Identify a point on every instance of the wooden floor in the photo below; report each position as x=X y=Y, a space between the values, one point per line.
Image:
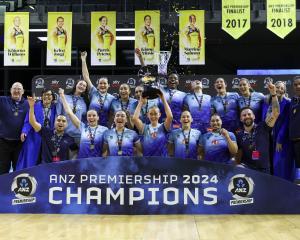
x=204 y=227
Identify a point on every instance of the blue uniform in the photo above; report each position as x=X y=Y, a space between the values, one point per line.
x=121 y=144
x=101 y=103
x=255 y=102
x=185 y=143
x=12 y=115
x=118 y=104
x=91 y=141
x=154 y=140
x=54 y=148
x=255 y=147
x=199 y=107
x=216 y=147
x=175 y=99
x=227 y=108
x=78 y=107
x=30 y=152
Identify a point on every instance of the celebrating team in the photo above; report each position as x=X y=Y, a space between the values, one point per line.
x=247 y=129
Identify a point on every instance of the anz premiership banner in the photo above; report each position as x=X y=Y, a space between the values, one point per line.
x=127 y=185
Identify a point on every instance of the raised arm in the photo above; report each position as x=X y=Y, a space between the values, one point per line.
x=138 y=53
x=169 y=115
x=273 y=115
x=85 y=71
x=32 y=120
x=68 y=110
x=232 y=145
x=136 y=116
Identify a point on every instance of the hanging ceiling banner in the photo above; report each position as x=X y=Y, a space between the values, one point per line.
x=103 y=38
x=16 y=44
x=147 y=36
x=281 y=16
x=236 y=17
x=191 y=37
x=59 y=42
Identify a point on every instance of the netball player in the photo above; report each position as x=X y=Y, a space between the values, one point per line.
x=225 y=105
x=100 y=99
x=218 y=145
x=91 y=139
x=121 y=141
x=154 y=139
x=198 y=104
x=184 y=141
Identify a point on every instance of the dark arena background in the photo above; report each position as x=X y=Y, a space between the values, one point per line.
x=150 y=197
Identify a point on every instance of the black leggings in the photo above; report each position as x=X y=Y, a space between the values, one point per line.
x=296 y=147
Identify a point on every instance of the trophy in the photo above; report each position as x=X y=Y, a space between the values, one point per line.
x=150 y=77
x=147 y=75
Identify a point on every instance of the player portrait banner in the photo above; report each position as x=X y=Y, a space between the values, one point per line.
x=191 y=37
x=281 y=16
x=145 y=185
x=16 y=38
x=59 y=43
x=147 y=36
x=103 y=38
x=236 y=17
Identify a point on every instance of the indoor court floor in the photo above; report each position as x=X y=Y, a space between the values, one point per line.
x=113 y=227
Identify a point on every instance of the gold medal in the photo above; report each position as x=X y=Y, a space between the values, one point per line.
x=16 y=113
x=295 y=110
x=120 y=153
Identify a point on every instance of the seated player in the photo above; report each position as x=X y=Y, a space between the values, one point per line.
x=55 y=142
x=218 y=145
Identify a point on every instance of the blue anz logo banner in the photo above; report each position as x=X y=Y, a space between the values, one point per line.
x=146 y=185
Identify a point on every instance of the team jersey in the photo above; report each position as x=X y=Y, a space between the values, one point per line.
x=185 y=142
x=61 y=38
x=194 y=36
x=154 y=140
x=78 y=107
x=227 y=108
x=175 y=99
x=216 y=147
x=121 y=144
x=19 y=36
x=118 y=104
x=150 y=38
x=255 y=101
x=199 y=107
x=255 y=146
x=55 y=148
x=101 y=103
x=91 y=141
